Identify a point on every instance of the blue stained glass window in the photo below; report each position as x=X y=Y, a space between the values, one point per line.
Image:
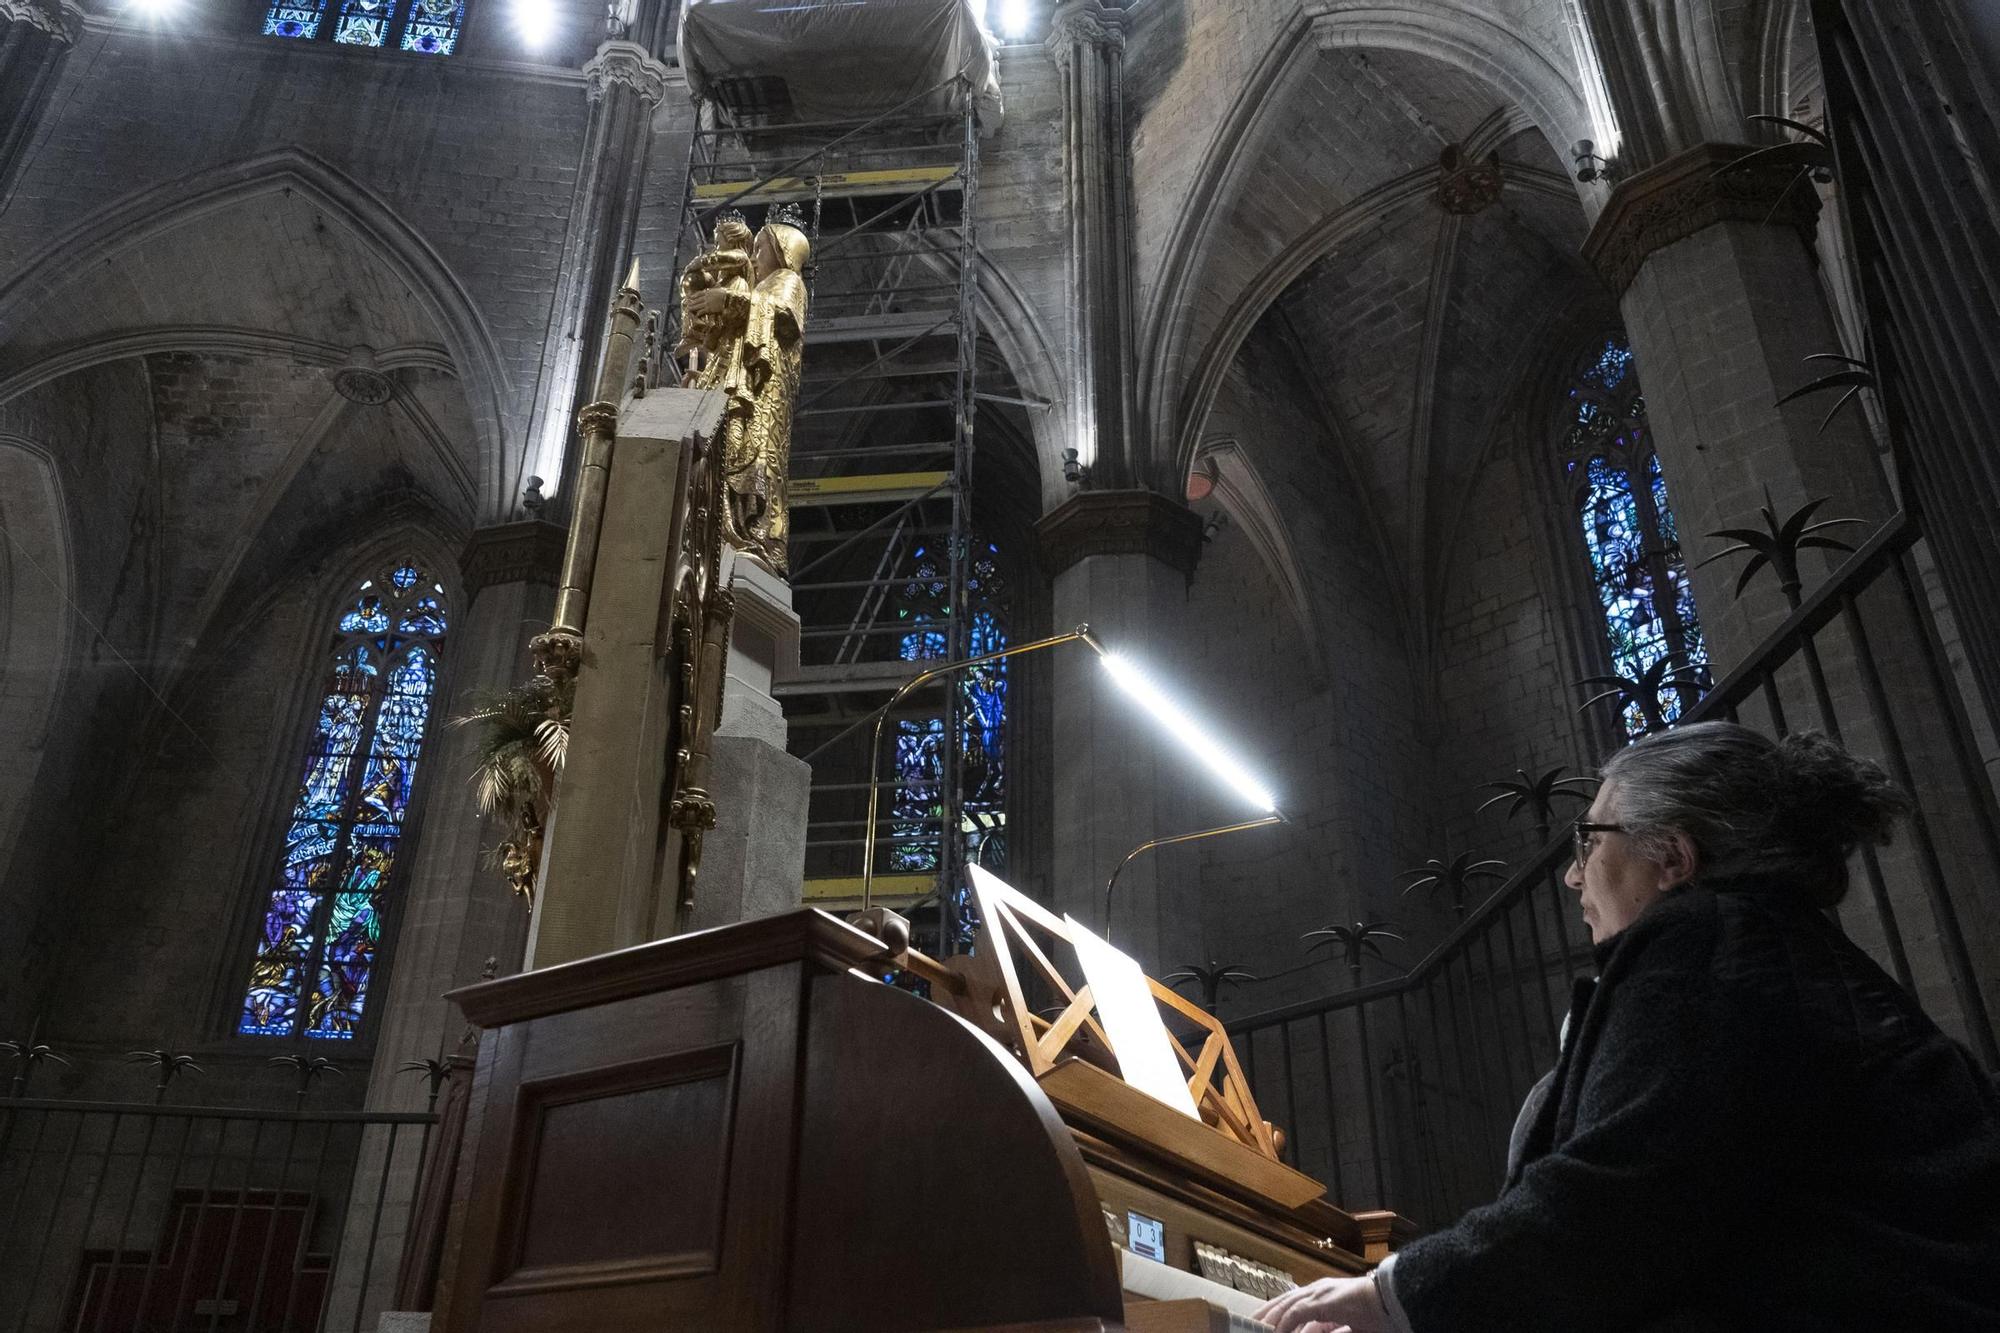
x=362 y=22
x=917 y=806
x=1637 y=567
x=420 y=27
x=294 y=18
x=317 y=948
x=433 y=26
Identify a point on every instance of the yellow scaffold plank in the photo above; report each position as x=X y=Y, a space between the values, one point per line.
x=819 y=492
x=832 y=185
x=844 y=892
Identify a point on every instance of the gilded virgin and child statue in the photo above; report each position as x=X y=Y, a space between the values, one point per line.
x=743 y=303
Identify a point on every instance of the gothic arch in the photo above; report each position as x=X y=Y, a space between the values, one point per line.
x=1451 y=32
x=1022 y=337
x=73 y=260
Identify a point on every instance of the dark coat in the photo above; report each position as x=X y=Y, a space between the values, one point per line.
x=1751 y=1127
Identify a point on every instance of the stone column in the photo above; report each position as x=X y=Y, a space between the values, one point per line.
x=1121 y=561
x=624 y=83
x=1087 y=43
x=753 y=862
x=455 y=912
x=35 y=40
x=1723 y=303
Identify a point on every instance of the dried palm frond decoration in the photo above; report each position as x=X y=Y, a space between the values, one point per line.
x=524 y=738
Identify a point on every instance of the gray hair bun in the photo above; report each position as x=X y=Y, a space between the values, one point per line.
x=1825 y=797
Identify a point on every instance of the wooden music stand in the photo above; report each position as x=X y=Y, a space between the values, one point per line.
x=1072 y=1058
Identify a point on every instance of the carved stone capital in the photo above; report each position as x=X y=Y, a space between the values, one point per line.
x=1119 y=523
x=598 y=418
x=62 y=21
x=626 y=64
x=1684 y=195
x=1083 y=23
x=530 y=551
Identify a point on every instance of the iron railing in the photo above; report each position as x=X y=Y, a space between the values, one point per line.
x=1401 y=1094
x=138 y=1217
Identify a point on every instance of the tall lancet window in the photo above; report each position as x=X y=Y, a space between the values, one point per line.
x=923 y=604
x=1620 y=498
x=317 y=948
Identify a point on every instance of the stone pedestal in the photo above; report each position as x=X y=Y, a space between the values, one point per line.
x=753 y=861
x=597 y=889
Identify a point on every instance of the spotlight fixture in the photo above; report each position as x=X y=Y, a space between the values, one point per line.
x=1075 y=470
x=1193 y=737
x=535 y=22
x=1590 y=166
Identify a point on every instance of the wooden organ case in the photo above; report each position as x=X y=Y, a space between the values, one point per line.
x=745 y=1129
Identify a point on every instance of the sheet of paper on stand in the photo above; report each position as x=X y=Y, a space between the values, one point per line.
x=1131 y=1019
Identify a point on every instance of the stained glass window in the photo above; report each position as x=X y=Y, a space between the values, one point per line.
x=924 y=604
x=1620 y=494
x=362 y=22
x=422 y=27
x=318 y=945
x=433 y=26
x=294 y=18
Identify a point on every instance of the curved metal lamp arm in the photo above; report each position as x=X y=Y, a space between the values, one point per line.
x=1080 y=634
x=1274 y=817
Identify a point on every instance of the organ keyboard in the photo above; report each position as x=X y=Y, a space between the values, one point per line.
x=745 y=1129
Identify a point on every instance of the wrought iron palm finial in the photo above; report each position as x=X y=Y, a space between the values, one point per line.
x=1778 y=544
x=1356 y=941
x=1457 y=876
x=1212 y=979
x=435 y=1073
x=1643 y=690
x=168 y=1065
x=1810 y=157
x=309 y=1067
x=1538 y=794
x=1859 y=375
x=27 y=1054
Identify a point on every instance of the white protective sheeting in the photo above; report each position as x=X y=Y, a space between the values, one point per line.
x=844 y=59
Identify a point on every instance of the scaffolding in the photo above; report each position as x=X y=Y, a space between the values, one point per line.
x=881 y=465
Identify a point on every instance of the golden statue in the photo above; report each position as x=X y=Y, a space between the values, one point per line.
x=725 y=266
x=750 y=344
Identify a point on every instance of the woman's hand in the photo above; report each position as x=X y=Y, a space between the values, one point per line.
x=711 y=302
x=1330 y=1305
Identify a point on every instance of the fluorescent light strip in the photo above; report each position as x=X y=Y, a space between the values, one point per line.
x=1189 y=733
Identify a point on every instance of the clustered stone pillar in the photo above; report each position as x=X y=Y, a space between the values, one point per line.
x=1087 y=43
x=35 y=40
x=1121 y=561
x=625 y=85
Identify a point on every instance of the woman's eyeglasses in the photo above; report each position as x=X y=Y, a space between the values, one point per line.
x=1583 y=835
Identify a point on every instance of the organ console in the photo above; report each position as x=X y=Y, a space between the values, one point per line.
x=747 y=1129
